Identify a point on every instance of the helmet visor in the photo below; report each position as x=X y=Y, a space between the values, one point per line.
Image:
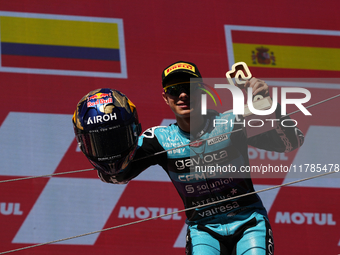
x=108 y=143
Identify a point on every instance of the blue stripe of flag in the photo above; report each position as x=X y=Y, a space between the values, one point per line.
x=38 y=50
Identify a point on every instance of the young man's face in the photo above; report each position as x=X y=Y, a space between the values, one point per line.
x=183 y=103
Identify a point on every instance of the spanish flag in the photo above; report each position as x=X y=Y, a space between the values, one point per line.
x=318 y=53
x=59 y=44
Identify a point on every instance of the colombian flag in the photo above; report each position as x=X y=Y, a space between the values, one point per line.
x=288 y=53
x=59 y=44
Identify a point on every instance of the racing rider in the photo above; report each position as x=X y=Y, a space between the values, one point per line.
x=107 y=129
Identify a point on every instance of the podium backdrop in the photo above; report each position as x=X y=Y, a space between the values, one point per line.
x=54 y=52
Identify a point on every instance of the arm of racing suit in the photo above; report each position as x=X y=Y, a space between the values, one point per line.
x=280 y=139
x=143 y=158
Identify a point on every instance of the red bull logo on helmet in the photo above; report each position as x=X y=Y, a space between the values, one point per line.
x=99 y=98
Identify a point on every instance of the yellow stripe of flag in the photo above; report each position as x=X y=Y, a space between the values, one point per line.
x=295 y=57
x=59 y=32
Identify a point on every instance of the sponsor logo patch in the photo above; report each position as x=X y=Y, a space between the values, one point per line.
x=179 y=66
x=219 y=139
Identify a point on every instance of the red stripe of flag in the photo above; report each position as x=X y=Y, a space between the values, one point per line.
x=267 y=73
x=286 y=39
x=60 y=63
